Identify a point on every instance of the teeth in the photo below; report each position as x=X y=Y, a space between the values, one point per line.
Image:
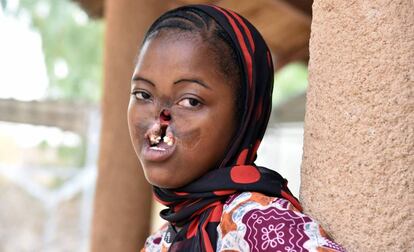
x=168 y=140
x=155 y=139
x=155 y=136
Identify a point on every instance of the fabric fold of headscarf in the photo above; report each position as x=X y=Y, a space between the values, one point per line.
x=197 y=207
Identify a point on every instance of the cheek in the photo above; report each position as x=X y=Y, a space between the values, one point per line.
x=187 y=128
x=139 y=121
x=187 y=139
x=205 y=136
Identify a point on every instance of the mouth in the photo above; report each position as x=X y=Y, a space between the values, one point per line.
x=160 y=143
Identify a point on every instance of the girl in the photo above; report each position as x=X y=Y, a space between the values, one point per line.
x=199 y=107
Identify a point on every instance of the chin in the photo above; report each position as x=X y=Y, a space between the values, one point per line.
x=160 y=177
x=163 y=183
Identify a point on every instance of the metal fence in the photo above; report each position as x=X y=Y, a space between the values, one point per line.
x=37 y=218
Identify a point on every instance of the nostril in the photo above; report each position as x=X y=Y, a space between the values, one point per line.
x=165 y=116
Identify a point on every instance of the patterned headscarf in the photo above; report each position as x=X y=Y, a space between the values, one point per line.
x=197 y=207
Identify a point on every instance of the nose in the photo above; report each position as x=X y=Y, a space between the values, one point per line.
x=165 y=116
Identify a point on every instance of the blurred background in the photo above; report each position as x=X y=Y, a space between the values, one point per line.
x=51 y=75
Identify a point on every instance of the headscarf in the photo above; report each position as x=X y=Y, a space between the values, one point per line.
x=197 y=207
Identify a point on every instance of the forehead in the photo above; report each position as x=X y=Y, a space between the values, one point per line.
x=175 y=50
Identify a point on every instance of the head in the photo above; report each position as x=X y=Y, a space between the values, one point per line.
x=186 y=99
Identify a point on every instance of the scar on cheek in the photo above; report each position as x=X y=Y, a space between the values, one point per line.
x=188 y=139
x=140 y=130
x=141 y=127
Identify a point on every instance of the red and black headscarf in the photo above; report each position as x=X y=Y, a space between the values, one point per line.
x=197 y=207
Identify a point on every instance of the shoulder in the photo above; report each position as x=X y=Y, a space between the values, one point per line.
x=255 y=222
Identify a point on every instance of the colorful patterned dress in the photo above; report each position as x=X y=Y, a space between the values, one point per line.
x=255 y=222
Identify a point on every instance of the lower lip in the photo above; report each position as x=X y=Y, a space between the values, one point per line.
x=162 y=153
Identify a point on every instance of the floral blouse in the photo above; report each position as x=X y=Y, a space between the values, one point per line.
x=254 y=222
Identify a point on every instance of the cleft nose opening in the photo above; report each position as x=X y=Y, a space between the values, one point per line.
x=163 y=130
x=160 y=132
x=165 y=116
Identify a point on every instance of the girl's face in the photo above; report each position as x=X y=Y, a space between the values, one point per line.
x=181 y=113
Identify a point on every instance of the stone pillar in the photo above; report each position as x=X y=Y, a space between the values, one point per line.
x=358 y=161
x=123 y=196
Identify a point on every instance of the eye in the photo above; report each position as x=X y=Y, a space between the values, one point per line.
x=190 y=103
x=141 y=95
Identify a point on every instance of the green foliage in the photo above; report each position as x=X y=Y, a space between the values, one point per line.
x=61 y=155
x=72 y=45
x=3 y=4
x=72 y=156
x=290 y=81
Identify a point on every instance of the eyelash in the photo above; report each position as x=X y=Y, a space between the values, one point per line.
x=146 y=96
x=143 y=94
x=190 y=99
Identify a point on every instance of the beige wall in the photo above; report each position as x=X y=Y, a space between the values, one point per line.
x=357 y=170
x=123 y=196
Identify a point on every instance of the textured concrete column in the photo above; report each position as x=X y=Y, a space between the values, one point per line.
x=358 y=162
x=123 y=196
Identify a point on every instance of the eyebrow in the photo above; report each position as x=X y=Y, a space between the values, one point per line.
x=197 y=81
x=139 y=78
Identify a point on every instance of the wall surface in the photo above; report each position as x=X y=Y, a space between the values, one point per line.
x=123 y=196
x=358 y=161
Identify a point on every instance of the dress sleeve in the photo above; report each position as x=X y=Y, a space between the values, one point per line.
x=255 y=222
